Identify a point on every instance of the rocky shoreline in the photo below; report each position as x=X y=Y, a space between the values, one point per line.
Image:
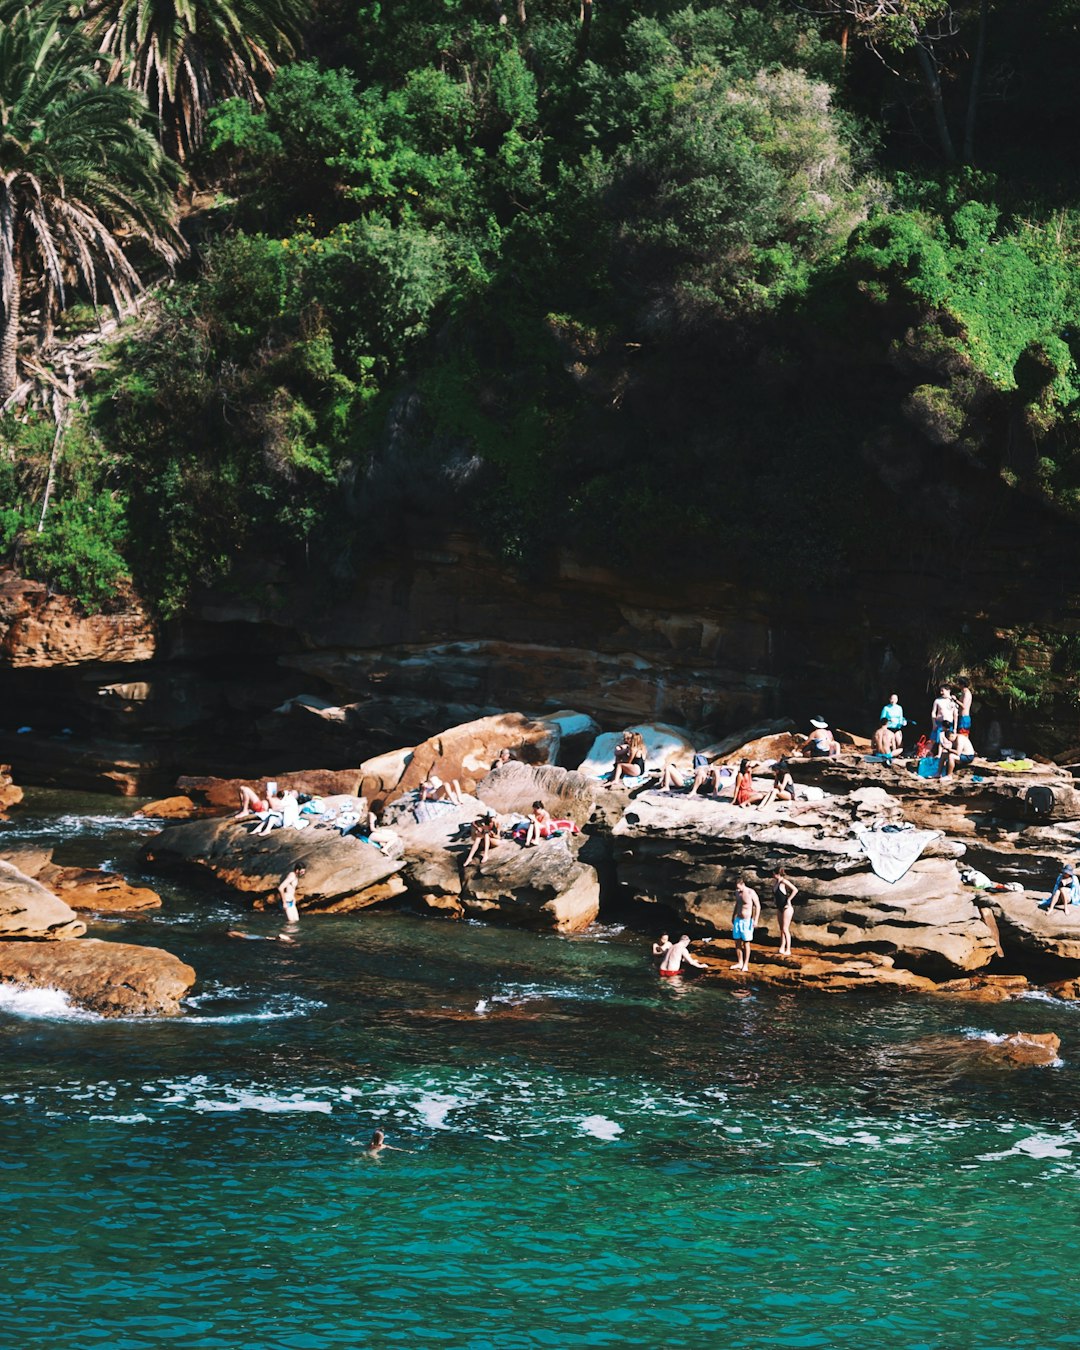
x=926 y=931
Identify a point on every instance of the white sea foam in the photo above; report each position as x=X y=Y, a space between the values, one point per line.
x=238 y=1099
x=1036 y=1146
x=434 y=1107
x=599 y=1127
x=51 y=1004
x=136 y=1119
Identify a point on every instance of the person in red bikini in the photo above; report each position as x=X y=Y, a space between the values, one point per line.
x=676 y=954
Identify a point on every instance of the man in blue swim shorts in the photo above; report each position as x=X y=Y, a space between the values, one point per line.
x=744 y=917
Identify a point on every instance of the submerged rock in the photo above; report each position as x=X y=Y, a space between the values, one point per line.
x=100 y=892
x=115 y=979
x=342 y=873
x=29 y=910
x=1018 y=1050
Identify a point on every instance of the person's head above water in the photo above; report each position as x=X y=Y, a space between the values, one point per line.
x=377 y=1139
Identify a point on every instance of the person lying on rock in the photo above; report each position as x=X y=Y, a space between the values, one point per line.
x=433 y=789
x=673 y=778
x=676 y=954
x=629 y=758
x=1066 y=890
x=744 y=917
x=954 y=749
x=541 y=825
x=484 y=833
x=287 y=818
x=251 y=804
x=821 y=743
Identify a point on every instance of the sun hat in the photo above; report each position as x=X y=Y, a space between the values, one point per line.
x=818 y=722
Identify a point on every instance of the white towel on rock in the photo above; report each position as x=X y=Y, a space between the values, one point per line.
x=892 y=852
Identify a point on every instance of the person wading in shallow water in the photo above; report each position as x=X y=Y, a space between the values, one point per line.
x=287 y=891
x=676 y=954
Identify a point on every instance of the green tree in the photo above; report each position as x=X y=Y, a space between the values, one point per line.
x=187 y=54
x=79 y=173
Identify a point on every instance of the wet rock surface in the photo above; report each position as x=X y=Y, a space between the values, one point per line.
x=28 y=910
x=341 y=873
x=114 y=979
x=544 y=887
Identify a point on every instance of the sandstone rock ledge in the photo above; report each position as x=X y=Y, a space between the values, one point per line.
x=688 y=855
x=114 y=979
x=342 y=874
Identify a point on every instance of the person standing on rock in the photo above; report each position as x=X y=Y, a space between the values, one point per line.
x=676 y=954
x=784 y=893
x=893 y=716
x=744 y=918
x=964 y=704
x=287 y=891
x=942 y=714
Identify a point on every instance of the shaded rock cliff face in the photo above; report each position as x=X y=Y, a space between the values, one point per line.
x=432 y=637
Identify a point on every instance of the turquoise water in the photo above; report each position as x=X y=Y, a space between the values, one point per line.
x=593 y=1159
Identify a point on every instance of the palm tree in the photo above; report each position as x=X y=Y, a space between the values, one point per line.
x=81 y=176
x=186 y=54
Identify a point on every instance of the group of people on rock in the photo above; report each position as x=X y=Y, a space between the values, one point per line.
x=950 y=729
x=745 y=918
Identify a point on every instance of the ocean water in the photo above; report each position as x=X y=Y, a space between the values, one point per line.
x=587 y=1157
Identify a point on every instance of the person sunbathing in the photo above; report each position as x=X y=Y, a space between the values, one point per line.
x=484 y=834
x=705 y=774
x=433 y=789
x=287 y=818
x=821 y=743
x=743 y=794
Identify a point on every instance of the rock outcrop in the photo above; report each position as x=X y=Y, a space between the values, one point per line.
x=542 y=887
x=568 y=795
x=97 y=891
x=341 y=873
x=39 y=629
x=1026 y=929
x=10 y=793
x=28 y=910
x=687 y=855
x=114 y=979
x=223 y=794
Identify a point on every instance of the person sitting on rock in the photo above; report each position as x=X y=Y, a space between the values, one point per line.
x=433 y=789
x=954 y=749
x=484 y=833
x=883 y=741
x=716 y=774
x=541 y=825
x=1066 y=890
x=783 y=785
x=743 y=794
x=821 y=743
x=629 y=758
x=503 y=757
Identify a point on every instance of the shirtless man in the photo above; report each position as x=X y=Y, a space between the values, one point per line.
x=942 y=714
x=676 y=953
x=964 y=704
x=955 y=749
x=744 y=917
x=884 y=741
x=287 y=891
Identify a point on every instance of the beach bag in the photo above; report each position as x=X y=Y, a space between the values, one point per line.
x=928 y=768
x=701 y=761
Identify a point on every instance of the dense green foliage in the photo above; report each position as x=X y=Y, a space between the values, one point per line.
x=661 y=280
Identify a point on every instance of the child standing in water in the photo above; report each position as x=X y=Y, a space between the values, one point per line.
x=744 y=917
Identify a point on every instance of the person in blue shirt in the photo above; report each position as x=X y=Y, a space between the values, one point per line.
x=893 y=716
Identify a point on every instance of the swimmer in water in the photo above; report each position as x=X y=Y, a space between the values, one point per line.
x=661 y=945
x=379 y=1145
x=256 y=937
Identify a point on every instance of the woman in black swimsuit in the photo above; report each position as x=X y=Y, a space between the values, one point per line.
x=629 y=758
x=784 y=892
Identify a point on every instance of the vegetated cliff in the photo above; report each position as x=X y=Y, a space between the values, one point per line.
x=439 y=631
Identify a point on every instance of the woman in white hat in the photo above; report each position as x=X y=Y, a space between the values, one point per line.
x=821 y=743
